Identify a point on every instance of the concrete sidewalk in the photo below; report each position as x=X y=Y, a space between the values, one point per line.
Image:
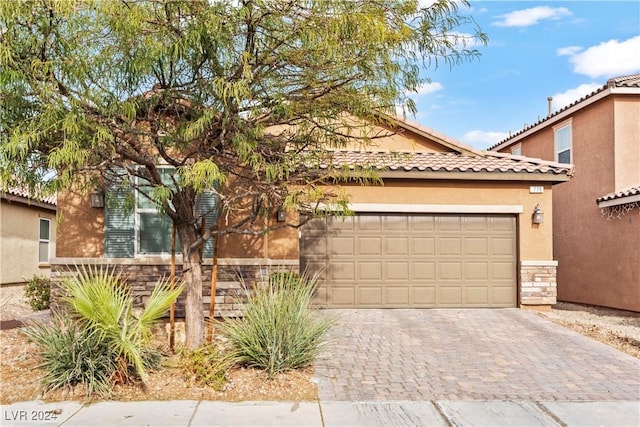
x=335 y=413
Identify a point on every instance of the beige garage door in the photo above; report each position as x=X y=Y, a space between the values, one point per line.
x=404 y=261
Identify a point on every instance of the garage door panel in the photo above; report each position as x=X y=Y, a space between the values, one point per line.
x=450 y=246
x=476 y=246
x=450 y=296
x=370 y=296
x=477 y=296
x=370 y=246
x=424 y=270
x=342 y=271
x=342 y=296
x=397 y=296
x=423 y=246
x=396 y=246
x=450 y=270
x=371 y=270
x=424 y=295
x=396 y=260
x=398 y=270
x=476 y=271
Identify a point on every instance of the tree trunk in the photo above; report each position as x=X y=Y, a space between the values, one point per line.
x=192 y=276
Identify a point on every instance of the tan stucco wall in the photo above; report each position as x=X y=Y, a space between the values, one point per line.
x=598 y=259
x=81 y=227
x=627 y=136
x=19 y=236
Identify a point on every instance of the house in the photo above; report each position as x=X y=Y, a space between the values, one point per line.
x=596 y=236
x=450 y=227
x=27 y=236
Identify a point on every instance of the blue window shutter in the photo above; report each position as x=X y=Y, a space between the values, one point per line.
x=119 y=231
x=209 y=207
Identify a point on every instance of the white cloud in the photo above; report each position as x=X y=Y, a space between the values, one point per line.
x=608 y=59
x=565 y=98
x=429 y=88
x=483 y=139
x=532 y=16
x=568 y=51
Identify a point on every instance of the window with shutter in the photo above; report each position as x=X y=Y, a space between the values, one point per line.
x=144 y=230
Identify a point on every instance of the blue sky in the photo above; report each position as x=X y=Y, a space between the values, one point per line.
x=536 y=49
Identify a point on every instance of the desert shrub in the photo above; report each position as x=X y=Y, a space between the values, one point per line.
x=72 y=354
x=280 y=331
x=285 y=279
x=104 y=304
x=207 y=366
x=37 y=291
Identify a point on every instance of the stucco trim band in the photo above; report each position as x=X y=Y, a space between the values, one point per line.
x=154 y=260
x=551 y=263
x=406 y=208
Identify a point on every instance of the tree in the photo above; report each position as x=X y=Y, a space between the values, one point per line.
x=241 y=98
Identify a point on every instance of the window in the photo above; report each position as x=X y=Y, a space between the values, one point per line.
x=153 y=228
x=141 y=230
x=44 y=240
x=563 y=143
x=517 y=150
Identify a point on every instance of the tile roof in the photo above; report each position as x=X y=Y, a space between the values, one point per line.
x=630 y=81
x=442 y=162
x=24 y=193
x=632 y=191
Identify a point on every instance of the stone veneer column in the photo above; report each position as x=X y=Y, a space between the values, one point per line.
x=538 y=284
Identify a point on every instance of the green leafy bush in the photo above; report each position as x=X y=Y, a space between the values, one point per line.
x=207 y=366
x=72 y=354
x=104 y=303
x=38 y=293
x=280 y=331
x=102 y=340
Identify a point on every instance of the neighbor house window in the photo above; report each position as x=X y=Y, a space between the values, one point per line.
x=563 y=143
x=44 y=242
x=517 y=150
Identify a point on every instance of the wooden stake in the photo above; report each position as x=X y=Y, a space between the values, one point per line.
x=172 y=278
x=214 y=281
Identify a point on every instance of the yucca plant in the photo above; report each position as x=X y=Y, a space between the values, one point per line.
x=104 y=303
x=72 y=354
x=280 y=330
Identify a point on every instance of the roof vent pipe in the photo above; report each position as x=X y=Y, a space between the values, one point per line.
x=550 y=102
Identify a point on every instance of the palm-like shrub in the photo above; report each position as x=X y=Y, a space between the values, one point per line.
x=280 y=330
x=71 y=355
x=104 y=304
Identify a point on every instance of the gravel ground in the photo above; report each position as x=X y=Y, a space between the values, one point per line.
x=13 y=305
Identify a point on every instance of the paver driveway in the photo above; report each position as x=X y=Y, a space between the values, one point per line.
x=450 y=354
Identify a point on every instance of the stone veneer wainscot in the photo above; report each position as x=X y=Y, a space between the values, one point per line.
x=142 y=274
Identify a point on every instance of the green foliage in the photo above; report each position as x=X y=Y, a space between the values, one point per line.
x=280 y=331
x=104 y=304
x=38 y=292
x=73 y=354
x=207 y=366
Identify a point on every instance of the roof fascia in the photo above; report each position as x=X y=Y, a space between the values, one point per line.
x=568 y=112
x=29 y=202
x=475 y=176
x=619 y=201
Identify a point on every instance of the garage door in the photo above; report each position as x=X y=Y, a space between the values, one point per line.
x=412 y=261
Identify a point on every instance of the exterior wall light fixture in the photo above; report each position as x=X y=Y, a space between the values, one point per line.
x=538 y=215
x=97 y=199
x=282 y=215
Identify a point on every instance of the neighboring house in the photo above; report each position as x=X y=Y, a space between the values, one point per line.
x=595 y=215
x=27 y=236
x=450 y=227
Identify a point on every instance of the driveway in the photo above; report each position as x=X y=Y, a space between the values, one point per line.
x=468 y=354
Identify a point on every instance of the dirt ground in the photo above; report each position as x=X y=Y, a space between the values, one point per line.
x=21 y=382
